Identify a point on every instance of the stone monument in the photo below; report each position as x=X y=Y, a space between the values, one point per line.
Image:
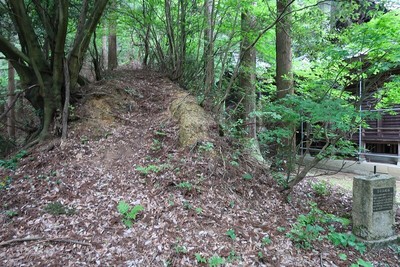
x=374 y=209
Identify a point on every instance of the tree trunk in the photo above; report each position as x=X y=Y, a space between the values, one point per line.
x=209 y=48
x=112 y=39
x=284 y=74
x=247 y=74
x=247 y=82
x=40 y=75
x=104 y=55
x=284 y=81
x=10 y=100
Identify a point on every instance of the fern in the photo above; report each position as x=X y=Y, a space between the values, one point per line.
x=129 y=213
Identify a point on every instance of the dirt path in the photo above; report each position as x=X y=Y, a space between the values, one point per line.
x=124 y=146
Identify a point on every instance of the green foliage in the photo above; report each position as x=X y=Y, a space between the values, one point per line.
x=206 y=147
x=247 y=176
x=199 y=210
x=232 y=257
x=200 y=259
x=12 y=163
x=185 y=185
x=128 y=212
x=57 y=208
x=342 y=256
x=280 y=178
x=156 y=145
x=345 y=240
x=231 y=234
x=266 y=240
x=321 y=188
x=180 y=249
x=314 y=226
x=215 y=261
x=187 y=205
x=11 y=213
x=281 y=229
x=151 y=168
x=361 y=262
x=5 y=182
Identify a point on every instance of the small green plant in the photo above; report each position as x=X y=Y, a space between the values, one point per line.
x=344 y=239
x=266 y=240
x=152 y=168
x=185 y=185
x=180 y=249
x=363 y=263
x=156 y=145
x=215 y=261
x=247 y=176
x=128 y=212
x=57 y=208
x=314 y=226
x=342 y=256
x=160 y=133
x=199 y=210
x=171 y=200
x=200 y=259
x=320 y=188
x=234 y=163
x=232 y=257
x=84 y=139
x=187 y=205
x=5 y=182
x=281 y=229
x=12 y=163
x=11 y=213
x=280 y=178
x=206 y=147
x=231 y=234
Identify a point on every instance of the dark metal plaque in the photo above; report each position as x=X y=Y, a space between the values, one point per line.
x=382 y=199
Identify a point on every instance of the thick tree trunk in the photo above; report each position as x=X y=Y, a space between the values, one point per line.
x=10 y=101
x=284 y=79
x=41 y=75
x=247 y=82
x=247 y=74
x=284 y=74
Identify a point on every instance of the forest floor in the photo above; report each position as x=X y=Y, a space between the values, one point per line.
x=203 y=205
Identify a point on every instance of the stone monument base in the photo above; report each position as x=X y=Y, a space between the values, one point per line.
x=377 y=244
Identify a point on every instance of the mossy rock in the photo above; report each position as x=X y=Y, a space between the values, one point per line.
x=194 y=122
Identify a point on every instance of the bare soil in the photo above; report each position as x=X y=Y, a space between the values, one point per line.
x=123 y=145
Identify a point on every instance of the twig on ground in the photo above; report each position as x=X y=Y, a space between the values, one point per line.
x=42 y=239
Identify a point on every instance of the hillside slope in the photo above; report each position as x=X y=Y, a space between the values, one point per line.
x=124 y=146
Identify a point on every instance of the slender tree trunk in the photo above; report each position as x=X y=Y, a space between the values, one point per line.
x=172 y=53
x=209 y=48
x=104 y=55
x=11 y=96
x=65 y=113
x=112 y=39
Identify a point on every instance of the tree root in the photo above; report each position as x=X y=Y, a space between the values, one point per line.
x=43 y=239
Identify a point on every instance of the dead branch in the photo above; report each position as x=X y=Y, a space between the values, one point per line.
x=43 y=239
